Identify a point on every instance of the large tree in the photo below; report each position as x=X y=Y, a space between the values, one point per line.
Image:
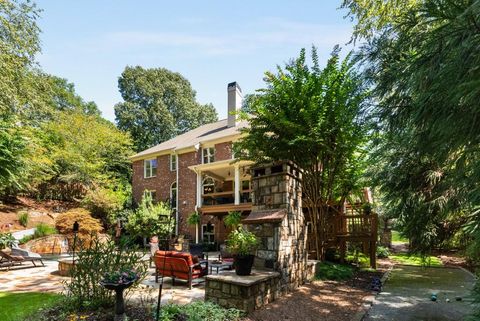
x=313 y=117
x=158 y=105
x=421 y=58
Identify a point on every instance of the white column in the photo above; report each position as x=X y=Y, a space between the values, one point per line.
x=237 y=185
x=199 y=200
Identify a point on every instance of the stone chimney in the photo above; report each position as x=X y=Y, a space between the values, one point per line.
x=234 y=102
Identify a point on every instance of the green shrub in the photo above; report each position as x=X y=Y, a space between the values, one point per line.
x=105 y=203
x=193 y=219
x=199 y=311
x=23 y=218
x=242 y=242
x=43 y=229
x=233 y=219
x=150 y=219
x=25 y=239
x=84 y=289
x=383 y=252
x=333 y=271
x=6 y=240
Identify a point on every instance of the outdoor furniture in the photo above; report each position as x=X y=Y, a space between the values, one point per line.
x=197 y=250
x=228 y=265
x=178 y=265
x=10 y=259
x=224 y=254
x=28 y=255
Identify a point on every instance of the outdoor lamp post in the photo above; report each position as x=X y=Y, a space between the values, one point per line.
x=76 y=227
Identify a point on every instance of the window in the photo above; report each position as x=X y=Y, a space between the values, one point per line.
x=208 y=155
x=208 y=185
x=173 y=196
x=150 y=193
x=150 y=168
x=173 y=162
x=208 y=233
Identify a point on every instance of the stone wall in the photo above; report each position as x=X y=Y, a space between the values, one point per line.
x=246 y=293
x=278 y=221
x=52 y=244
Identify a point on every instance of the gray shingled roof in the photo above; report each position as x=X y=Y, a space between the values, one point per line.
x=196 y=136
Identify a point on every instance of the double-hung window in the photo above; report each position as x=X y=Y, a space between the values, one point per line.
x=208 y=155
x=150 y=168
x=173 y=162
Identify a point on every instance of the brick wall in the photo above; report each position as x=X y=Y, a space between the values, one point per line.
x=223 y=151
x=187 y=191
x=160 y=183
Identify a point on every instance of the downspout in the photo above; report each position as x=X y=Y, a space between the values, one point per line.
x=178 y=193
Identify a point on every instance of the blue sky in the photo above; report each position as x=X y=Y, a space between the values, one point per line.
x=211 y=43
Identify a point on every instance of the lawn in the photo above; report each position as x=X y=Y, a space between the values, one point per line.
x=333 y=271
x=398 y=238
x=417 y=260
x=17 y=306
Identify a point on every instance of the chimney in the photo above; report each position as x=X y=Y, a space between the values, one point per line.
x=234 y=102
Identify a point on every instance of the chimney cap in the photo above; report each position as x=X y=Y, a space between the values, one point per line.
x=234 y=85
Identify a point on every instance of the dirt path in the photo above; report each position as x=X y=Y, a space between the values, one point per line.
x=407 y=295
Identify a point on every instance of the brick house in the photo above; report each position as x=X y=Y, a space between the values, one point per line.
x=197 y=173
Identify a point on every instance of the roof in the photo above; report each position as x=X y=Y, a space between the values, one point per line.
x=266 y=216
x=199 y=135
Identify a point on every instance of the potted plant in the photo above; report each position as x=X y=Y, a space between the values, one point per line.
x=118 y=281
x=242 y=244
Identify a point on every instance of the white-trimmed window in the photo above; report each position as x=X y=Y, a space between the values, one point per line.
x=150 y=168
x=208 y=233
x=151 y=193
x=208 y=185
x=173 y=195
x=173 y=162
x=208 y=155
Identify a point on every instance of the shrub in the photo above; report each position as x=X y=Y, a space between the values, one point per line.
x=199 y=310
x=105 y=203
x=23 y=218
x=242 y=242
x=193 y=219
x=333 y=271
x=150 y=219
x=88 y=224
x=6 y=240
x=233 y=219
x=382 y=252
x=94 y=262
x=43 y=229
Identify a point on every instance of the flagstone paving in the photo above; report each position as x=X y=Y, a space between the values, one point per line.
x=27 y=278
x=407 y=293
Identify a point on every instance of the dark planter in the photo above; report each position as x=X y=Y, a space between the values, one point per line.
x=243 y=264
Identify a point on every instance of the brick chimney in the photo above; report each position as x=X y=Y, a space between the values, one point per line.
x=234 y=102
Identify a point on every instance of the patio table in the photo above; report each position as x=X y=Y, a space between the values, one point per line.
x=220 y=266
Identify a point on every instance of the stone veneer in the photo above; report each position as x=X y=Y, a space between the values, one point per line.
x=246 y=293
x=278 y=221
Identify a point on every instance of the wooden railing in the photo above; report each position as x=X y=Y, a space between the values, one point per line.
x=355 y=225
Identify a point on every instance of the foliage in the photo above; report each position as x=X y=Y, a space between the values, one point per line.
x=199 y=310
x=31 y=303
x=421 y=60
x=414 y=259
x=106 y=203
x=6 y=240
x=241 y=242
x=397 y=237
x=150 y=219
x=84 y=289
x=23 y=218
x=122 y=276
x=158 y=105
x=43 y=229
x=233 y=219
x=313 y=117
x=382 y=252
x=333 y=271
x=193 y=218
x=87 y=224
x=476 y=301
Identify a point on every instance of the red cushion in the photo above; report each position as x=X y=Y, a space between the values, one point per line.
x=186 y=256
x=163 y=253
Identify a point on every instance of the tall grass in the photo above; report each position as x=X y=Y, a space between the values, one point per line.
x=23 y=218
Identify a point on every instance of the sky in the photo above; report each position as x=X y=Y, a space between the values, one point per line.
x=211 y=43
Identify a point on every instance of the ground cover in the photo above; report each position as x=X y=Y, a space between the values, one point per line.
x=417 y=260
x=398 y=238
x=17 y=306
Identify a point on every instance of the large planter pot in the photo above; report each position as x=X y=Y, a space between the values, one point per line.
x=243 y=264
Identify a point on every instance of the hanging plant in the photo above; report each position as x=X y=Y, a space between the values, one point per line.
x=193 y=219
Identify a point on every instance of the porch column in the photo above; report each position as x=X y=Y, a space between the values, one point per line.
x=237 y=185
x=199 y=200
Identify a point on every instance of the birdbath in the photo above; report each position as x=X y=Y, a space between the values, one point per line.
x=118 y=282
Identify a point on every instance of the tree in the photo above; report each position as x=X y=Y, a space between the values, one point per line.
x=421 y=58
x=158 y=105
x=313 y=117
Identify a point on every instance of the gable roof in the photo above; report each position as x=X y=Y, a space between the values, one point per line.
x=199 y=135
